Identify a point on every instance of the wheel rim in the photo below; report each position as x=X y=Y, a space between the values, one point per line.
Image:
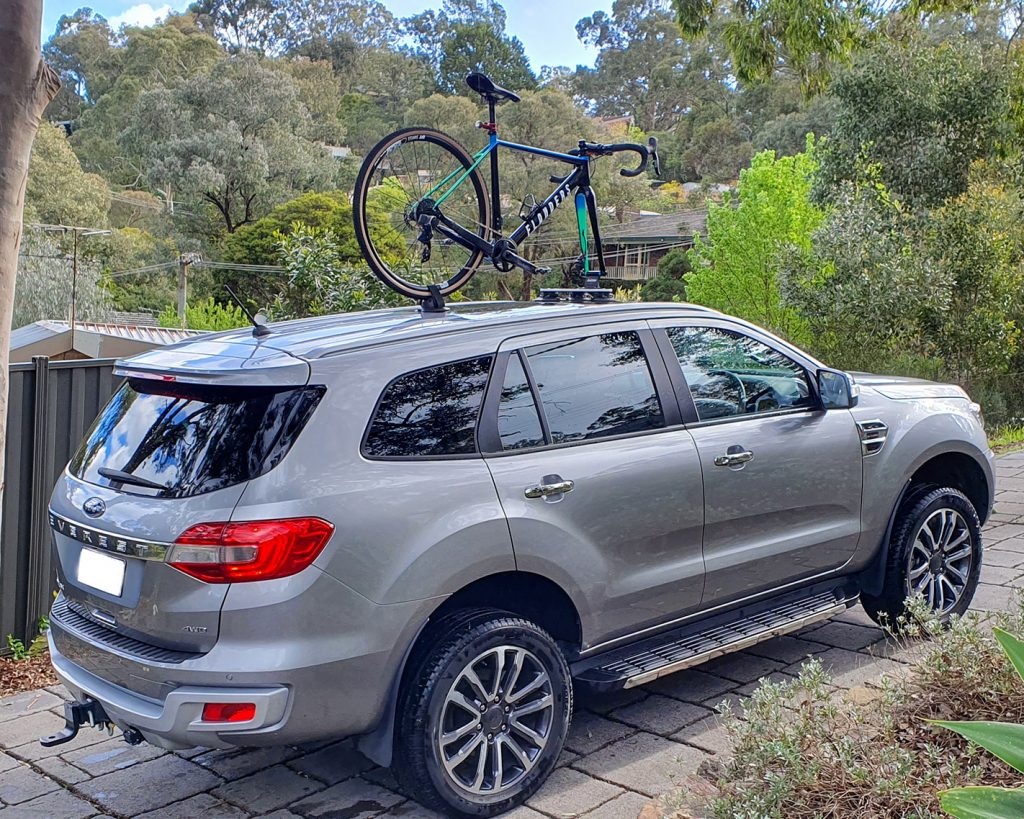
x=402 y=175
x=496 y=721
x=941 y=559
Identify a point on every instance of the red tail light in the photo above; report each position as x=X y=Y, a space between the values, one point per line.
x=229 y=711
x=250 y=550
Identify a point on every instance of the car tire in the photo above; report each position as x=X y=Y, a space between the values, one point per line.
x=935 y=550
x=467 y=681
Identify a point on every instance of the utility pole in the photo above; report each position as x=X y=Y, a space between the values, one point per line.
x=185 y=261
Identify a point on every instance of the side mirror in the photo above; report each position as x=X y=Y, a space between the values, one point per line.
x=837 y=390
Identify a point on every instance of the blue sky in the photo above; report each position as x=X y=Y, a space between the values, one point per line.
x=546 y=27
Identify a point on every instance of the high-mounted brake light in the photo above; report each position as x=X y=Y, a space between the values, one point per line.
x=240 y=552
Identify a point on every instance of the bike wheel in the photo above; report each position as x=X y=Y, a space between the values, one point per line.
x=400 y=172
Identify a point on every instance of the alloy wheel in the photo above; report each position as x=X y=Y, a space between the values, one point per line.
x=941 y=559
x=496 y=720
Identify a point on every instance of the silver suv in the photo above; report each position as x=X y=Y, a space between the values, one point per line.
x=425 y=529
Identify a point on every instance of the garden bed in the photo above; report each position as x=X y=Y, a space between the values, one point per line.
x=25 y=674
x=804 y=750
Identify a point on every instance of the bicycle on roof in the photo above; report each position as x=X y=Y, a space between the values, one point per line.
x=425 y=221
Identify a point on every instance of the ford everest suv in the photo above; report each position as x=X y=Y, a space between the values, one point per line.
x=425 y=529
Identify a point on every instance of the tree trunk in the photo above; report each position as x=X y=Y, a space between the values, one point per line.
x=27 y=85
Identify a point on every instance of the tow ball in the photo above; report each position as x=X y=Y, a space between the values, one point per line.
x=77 y=714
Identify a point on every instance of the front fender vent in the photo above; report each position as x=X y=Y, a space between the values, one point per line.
x=872 y=436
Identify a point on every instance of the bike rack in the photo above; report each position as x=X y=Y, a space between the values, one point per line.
x=434 y=303
x=576 y=295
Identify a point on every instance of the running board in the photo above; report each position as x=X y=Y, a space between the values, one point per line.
x=654 y=657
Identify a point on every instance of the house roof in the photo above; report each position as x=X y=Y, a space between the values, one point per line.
x=659 y=227
x=90 y=339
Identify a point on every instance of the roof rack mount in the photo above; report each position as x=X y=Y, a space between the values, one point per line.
x=579 y=295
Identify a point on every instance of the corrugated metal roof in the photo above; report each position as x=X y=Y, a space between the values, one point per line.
x=661 y=227
x=40 y=330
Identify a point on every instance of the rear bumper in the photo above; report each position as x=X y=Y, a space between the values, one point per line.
x=320 y=670
x=177 y=721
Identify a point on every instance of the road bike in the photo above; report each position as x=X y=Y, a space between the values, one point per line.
x=425 y=221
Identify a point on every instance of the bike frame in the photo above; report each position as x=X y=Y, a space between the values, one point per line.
x=577 y=180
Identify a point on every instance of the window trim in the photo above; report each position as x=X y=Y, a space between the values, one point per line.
x=490 y=440
x=460 y=456
x=660 y=328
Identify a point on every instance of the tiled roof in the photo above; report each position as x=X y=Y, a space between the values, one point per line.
x=659 y=227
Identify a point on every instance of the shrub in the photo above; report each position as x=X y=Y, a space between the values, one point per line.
x=736 y=268
x=802 y=751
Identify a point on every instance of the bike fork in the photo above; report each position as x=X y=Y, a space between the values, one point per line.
x=586 y=206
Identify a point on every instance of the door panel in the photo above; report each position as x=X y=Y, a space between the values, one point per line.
x=624 y=537
x=627 y=538
x=782 y=477
x=791 y=511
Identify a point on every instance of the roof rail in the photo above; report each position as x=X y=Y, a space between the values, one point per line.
x=577 y=295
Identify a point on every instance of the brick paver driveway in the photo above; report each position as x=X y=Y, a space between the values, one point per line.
x=621 y=751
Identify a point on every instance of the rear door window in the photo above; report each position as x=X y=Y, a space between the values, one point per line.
x=178 y=440
x=519 y=424
x=429 y=413
x=596 y=386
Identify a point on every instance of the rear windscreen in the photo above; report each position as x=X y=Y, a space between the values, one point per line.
x=176 y=440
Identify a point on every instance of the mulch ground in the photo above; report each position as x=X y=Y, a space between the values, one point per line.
x=24 y=675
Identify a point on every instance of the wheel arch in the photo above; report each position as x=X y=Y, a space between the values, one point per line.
x=528 y=595
x=956 y=469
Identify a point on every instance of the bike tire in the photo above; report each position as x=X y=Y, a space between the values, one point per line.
x=375 y=255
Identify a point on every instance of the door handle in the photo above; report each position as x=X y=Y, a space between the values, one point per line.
x=734 y=458
x=551 y=485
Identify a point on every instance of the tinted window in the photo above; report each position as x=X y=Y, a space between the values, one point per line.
x=596 y=386
x=191 y=439
x=732 y=374
x=518 y=419
x=429 y=412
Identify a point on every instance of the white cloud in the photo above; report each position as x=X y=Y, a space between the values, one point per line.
x=142 y=14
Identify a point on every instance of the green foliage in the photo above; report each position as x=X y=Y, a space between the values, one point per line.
x=860 y=251
x=663 y=288
x=974 y=246
x=59 y=192
x=1004 y=740
x=238 y=138
x=469 y=35
x=321 y=280
x=44 y=281
x=205 y=315
x=668 y=285
x=806 y=37
x=736 y=268
x=258 y=242
x=801 y=750
x=921 y=113
x=141 y=59
x=19 y=651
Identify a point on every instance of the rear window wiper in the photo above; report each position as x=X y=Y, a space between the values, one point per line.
x=120 y=476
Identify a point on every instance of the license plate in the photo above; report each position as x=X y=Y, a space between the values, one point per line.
x=101 y=571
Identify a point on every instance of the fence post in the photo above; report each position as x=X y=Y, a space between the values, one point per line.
x=39 y=554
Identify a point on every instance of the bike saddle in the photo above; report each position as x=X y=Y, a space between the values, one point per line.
x=486 y=87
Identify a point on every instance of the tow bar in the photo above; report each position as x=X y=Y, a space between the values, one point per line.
x=77 y=714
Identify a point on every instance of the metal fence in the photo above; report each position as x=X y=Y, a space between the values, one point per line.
x=51 y=405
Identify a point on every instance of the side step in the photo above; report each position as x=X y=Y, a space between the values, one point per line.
x=690 y=645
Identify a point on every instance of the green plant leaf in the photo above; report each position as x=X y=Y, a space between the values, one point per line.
x=1013 y=647
x=1004 y=739
x=983 y=803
